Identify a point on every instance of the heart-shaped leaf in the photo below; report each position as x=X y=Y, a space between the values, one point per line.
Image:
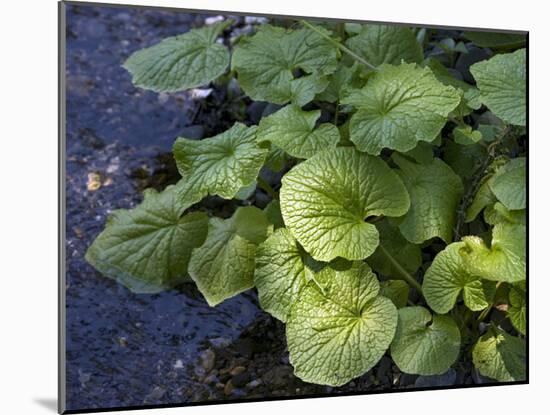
x=399 y=106
x=220 y=165
x=326 y=199
x=339 y=327
x=425 y=344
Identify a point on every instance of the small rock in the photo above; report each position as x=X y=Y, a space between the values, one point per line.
x=156 y=394
x=228 y=388
x=211 y=378
x=383 y=369
x=255 y=111
x=255 y=20
x=237 y=370
x=446 y=379
x=94 y=182
x=254 y=384
x=123 y=341
x=220 y=342
x=208 y=359
x=200 y=93
x=213 y=19
x=163 y=98
x=240 y=380
x=83 y=377
x=278 y=377
x=178 y=364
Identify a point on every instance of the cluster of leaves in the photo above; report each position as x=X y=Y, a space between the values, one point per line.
x=375 y=242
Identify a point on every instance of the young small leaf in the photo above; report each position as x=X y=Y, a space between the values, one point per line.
x=495 y=39
x=147 y=248
x=425 y=344
x=466 y=136
x=435 y=192
x=180 y=62
x=500 y=356
x=447 y=277
x=293 y=131
x=265 y=63
x=223 y=164
x=339 y=327
x=502 y=82
x=326 y=199
x=504 y=260
x=224 y=265
x=386 y=104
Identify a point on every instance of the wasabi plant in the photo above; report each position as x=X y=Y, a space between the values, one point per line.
x=399 y=225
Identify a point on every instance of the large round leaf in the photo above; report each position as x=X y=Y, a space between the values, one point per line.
x=502 y=82
x=326 y=199
x=425 y=344
x=399 y=106
x=339 y=327
x=435 y=192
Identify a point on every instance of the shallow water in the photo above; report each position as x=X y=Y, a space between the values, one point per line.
x=125 y=349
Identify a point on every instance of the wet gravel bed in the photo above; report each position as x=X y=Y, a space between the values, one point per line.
x=125 y=349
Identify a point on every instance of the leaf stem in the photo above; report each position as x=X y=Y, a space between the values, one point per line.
x=340 y=46
x=264 y=185
x=404 y=273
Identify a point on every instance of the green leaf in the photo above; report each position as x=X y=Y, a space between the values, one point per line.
x=224 y=265
x=422 y=153
x=495 y=39
x=273 y=214
x=379 y=44
x=223 y=164
x=464 y=160
x=266 y=61
x=326 y=199
x=424 y=344
x=497 y=213
x=510 y=184
x=483 y=198
x=466 y=136
x=502 y=82
x=293 y=131
x=408 y=254
x=447 y=277
x=435 y=192
x=147 y=248
x=340 y=327
x=276 y=158
x=518 y=307
x=504 y=260
x=343 y=77
x=180 y=62
x=282 y=270
x=500 y=356
x=396 y=290
x=399 y=106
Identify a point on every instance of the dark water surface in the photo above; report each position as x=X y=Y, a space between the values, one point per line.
x=122 y=348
